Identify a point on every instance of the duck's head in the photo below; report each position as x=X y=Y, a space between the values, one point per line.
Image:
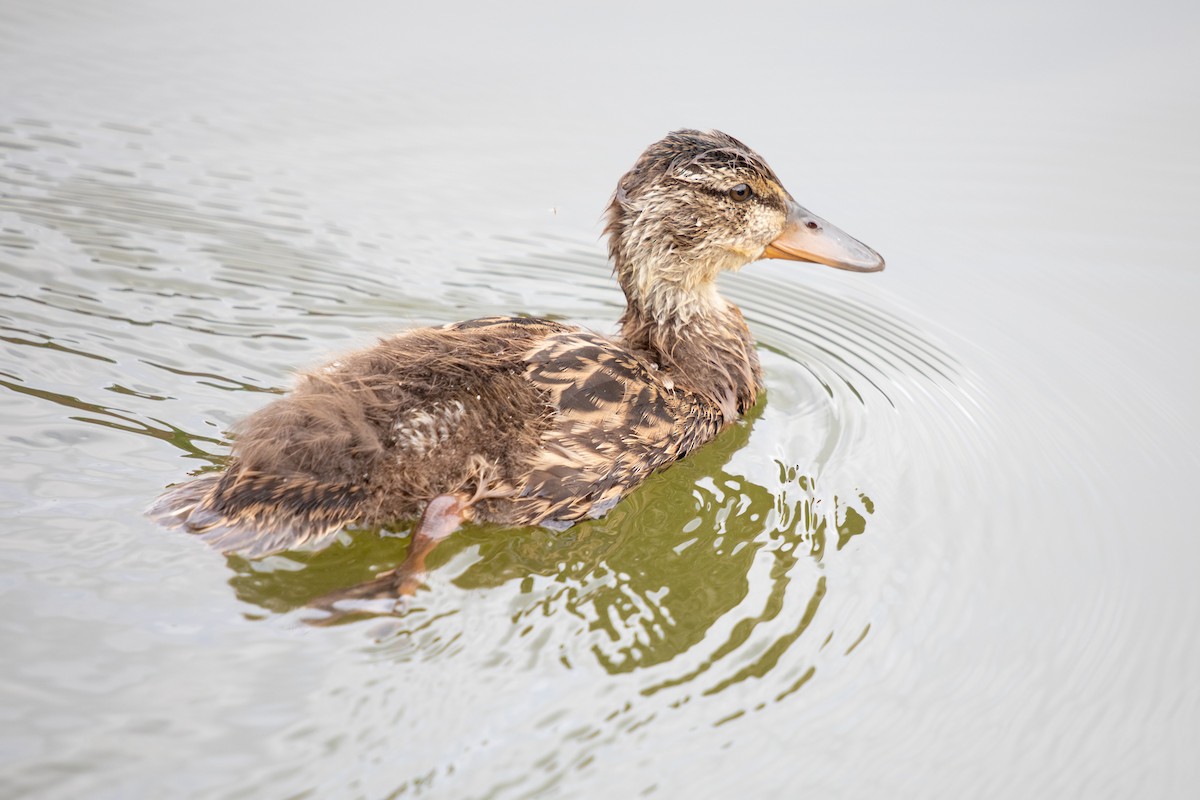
x=697 y=203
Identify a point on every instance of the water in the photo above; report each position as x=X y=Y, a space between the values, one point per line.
x=950 y=554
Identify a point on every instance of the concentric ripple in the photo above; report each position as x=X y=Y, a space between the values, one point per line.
x=731 y=583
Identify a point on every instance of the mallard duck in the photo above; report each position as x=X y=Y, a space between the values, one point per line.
x=525 y=421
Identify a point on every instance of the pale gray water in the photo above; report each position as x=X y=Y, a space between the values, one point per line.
x=952 y=556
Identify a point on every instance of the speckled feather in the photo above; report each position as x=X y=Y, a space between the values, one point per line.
x=550 y=425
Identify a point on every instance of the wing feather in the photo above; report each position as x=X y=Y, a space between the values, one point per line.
x=615 y=421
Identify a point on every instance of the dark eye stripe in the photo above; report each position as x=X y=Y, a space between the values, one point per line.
x=768 y=199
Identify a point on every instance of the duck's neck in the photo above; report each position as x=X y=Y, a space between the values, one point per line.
x=708 y=352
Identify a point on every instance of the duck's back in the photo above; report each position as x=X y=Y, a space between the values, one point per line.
x=536 y=422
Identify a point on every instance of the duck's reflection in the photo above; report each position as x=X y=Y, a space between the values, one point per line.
x=650 y=579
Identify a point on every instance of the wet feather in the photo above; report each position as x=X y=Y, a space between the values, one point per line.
x=530 y=420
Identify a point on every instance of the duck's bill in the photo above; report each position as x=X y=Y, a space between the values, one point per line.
x=807 y=237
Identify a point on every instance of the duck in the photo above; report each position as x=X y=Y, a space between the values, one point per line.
x=525 y=421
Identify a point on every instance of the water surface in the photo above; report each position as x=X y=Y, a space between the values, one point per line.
x=948 y=555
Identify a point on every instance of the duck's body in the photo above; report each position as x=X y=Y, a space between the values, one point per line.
x=538 y=422
x=527 y=421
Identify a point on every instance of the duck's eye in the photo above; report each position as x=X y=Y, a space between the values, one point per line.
x=741 y=192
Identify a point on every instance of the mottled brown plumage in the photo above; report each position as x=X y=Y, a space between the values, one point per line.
x=527 y=421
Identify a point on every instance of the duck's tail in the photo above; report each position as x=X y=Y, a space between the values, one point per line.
x=254 y=515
